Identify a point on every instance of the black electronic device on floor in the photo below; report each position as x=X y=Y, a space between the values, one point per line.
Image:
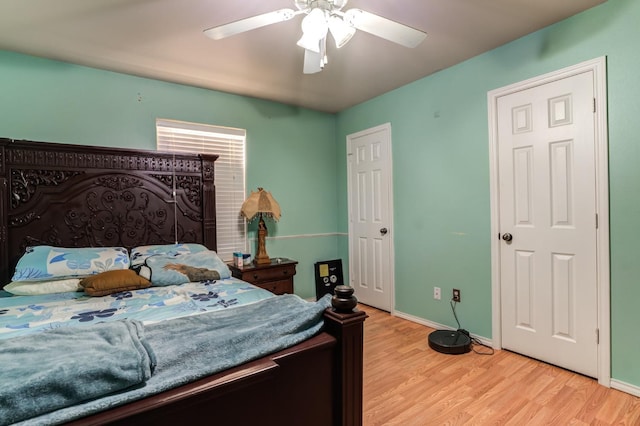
x=450 y=341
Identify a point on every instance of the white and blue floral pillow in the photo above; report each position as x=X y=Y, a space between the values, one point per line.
x=164 y=270
x=44 y=263
x=141 y=253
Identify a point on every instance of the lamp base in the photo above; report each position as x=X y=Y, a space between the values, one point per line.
x=262 y=257
x=262 y=260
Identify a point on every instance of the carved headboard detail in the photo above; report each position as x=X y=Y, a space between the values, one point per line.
x=80 y=196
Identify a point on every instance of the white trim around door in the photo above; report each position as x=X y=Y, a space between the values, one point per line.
x=598 y=67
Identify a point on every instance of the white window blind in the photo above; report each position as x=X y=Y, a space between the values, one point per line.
x=229 y=145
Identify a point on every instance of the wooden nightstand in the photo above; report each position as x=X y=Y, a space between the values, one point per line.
x=277 y=277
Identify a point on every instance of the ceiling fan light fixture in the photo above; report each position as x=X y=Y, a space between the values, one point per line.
x=315 y=24
x=314 y=29
x=340 y=31
x=309 y=43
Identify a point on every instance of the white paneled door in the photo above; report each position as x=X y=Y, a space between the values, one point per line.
x=547 y=192
x=370 y=216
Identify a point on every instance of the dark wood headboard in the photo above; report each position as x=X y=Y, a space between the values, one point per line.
x=85 y=196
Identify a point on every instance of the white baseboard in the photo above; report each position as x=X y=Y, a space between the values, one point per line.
x=625 y=387
x=437 y=326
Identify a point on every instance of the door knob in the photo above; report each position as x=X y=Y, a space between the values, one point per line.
x=383 y=231
x=507 y=237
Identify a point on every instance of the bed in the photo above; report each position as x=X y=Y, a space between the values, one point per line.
x=74 y=196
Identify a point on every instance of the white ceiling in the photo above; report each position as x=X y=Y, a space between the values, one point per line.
x=163 y=39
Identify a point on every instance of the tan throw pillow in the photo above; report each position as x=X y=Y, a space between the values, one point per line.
x=113 y=282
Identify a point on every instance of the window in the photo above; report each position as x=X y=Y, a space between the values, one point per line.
x=229 y=145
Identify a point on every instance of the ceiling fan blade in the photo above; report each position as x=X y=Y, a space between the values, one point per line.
x=249 y=24
x=384 y=28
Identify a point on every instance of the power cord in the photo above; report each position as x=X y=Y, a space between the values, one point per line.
x=474 y=341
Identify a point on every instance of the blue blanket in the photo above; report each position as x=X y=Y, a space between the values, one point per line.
x=35 y=372
x=193 y=347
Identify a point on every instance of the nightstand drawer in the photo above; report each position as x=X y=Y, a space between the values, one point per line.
x=277 y=287
x=259 y=275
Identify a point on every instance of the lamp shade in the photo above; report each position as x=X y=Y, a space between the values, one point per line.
x=260 y=201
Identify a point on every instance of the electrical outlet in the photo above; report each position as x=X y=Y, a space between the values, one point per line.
x=436 y=293
x=456 y=295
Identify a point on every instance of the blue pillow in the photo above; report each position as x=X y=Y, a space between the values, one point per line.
x=40 y=263
x=164 y=270
x=140 y=254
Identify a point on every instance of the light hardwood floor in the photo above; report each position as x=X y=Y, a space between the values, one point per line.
x=407 y=383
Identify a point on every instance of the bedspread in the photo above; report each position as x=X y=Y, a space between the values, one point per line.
x=21 y=315
x=193 y=347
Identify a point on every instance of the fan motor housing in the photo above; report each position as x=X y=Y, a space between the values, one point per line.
x=322 y=4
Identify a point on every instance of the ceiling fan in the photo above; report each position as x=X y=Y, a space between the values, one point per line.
x=324 y=17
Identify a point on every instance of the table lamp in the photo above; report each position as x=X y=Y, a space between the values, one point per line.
x=261 y=203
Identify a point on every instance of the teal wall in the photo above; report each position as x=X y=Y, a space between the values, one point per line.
x=441 y=171
x=290 y=151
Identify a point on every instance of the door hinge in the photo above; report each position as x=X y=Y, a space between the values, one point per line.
x=594 y=105
x=597 y=336
x=596 y=220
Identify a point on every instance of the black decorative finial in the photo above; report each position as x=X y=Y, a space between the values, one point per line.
x=343 y=299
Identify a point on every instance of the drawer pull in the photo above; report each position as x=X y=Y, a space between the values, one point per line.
x=285 y=272
x=255 y=276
